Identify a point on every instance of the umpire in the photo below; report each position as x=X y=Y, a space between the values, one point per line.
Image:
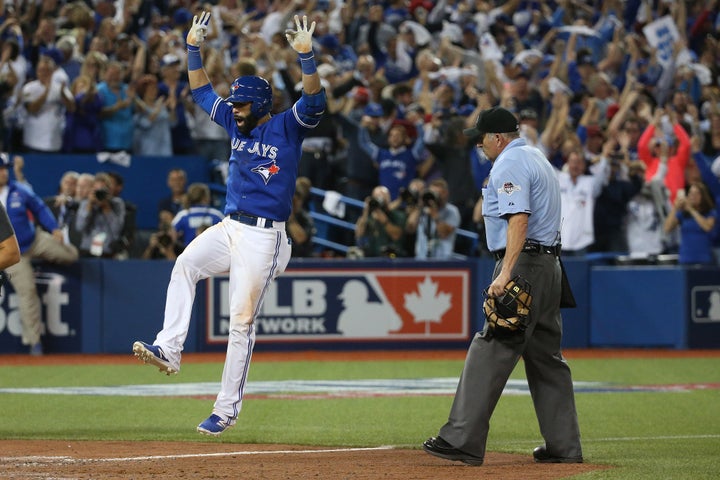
x=522 y=217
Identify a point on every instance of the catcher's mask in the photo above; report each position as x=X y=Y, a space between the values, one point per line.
x=251 y=88
x=508 y=313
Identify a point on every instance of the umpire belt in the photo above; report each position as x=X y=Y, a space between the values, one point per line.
x=253 y=221
x=532 y=248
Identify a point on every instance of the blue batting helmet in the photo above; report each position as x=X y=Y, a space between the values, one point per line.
x=253 y=89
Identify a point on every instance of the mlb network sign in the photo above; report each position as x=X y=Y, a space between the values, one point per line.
x=324 y=304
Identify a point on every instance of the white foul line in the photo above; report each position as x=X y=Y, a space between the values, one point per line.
x=67 y=459
x=230 y=454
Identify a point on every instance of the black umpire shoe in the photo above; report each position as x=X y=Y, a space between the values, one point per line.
x=440 y=448
x=541 y=455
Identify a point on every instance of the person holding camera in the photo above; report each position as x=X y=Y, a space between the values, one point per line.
x=46 y=243
x=163 y=244
x=409 y=202
x=435 y=223
x=379 y=230
x=100 y=219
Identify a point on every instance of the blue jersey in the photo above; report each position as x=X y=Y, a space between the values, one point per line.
x=190 y=222
x=695 y=243
x=21 y=201
x=263 y=165
x=396 y=167
x=522 y=180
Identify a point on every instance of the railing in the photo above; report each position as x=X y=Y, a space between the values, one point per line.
x=323 y=221
x=329 y=220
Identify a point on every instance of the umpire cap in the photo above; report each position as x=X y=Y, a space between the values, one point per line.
x=494 y=120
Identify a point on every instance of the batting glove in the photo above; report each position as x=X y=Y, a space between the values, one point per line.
x=301 y=38
x=199 y=28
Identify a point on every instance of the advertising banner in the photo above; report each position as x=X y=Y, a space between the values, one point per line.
x=59 y=292
x=330 y=303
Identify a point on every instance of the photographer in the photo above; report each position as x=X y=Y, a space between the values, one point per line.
x=64 y=206
x=379 y=230
x=409 y=201
x=163 y=244
x=100 y=219
x=435 y=224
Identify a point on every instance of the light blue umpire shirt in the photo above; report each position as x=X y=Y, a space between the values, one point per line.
x=522 y=180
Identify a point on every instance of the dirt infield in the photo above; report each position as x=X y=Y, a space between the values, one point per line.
x=183 y=460
x=28 y=460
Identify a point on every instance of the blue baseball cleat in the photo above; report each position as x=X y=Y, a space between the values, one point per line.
x=153 y=355
x=213 y=425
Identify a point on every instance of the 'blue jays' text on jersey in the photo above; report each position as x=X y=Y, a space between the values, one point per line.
x=263 y=165
x=522 y=180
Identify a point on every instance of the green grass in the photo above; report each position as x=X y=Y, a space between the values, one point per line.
x=648 y=435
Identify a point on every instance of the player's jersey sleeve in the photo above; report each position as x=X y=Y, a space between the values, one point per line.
x=309 y=109
x=215 y=106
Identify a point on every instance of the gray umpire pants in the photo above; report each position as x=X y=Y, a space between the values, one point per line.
x=490 y=361
x=22 y=278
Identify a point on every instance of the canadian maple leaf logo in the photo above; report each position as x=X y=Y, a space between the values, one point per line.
x=428 y=304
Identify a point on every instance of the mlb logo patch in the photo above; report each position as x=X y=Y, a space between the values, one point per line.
x=705 y=304
x=508 y=188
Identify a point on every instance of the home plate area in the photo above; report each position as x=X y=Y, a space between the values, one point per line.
x=58 y=459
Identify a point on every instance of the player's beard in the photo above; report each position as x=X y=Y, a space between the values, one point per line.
x=247 y=123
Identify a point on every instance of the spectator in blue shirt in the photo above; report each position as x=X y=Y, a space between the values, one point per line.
x=397 y=164
x=695 y=215
x=197 y=215
x=117 y=112
x=83 y=131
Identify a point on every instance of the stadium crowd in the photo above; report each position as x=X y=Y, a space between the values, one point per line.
x=622 y=96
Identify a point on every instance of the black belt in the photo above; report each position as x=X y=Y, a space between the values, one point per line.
x=252 y=220
x=531 y=248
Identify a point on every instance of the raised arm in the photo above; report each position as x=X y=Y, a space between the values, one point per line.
x=196 y=35
x=300 y=40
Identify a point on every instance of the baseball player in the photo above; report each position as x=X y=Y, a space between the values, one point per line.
x=250 y=244
x=522 y=217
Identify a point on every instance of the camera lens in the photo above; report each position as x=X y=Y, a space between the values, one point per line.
x=101 y=194
x=164 y=240
x=429 y=198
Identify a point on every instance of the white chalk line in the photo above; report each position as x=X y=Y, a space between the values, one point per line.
x=66 y=459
